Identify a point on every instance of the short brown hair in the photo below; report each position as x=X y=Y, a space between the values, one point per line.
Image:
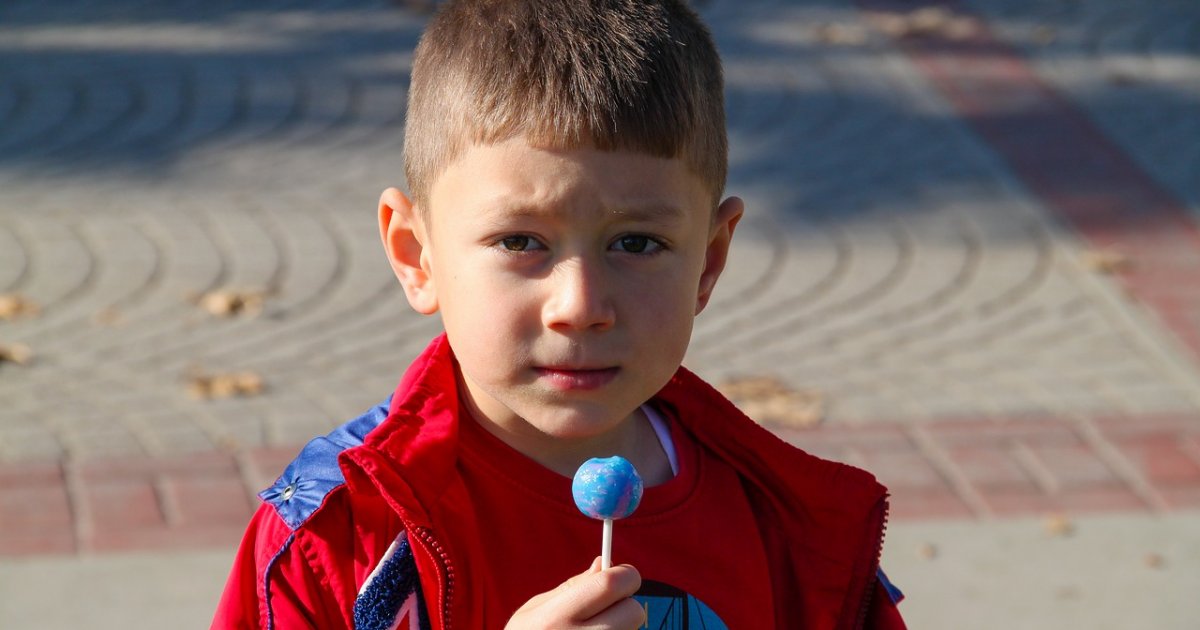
x=640 y=75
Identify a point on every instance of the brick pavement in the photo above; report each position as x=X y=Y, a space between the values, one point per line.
x=941 y=469
x=924 y=206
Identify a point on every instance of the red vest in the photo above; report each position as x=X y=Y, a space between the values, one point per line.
x=822 y=522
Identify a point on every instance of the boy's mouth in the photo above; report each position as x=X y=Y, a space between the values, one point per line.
x=567 y=379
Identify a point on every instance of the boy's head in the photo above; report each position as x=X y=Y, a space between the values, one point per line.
x=635 y=75
x=566 y=158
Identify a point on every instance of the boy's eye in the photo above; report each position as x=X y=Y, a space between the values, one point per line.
x=636 y=244
x=519 y=243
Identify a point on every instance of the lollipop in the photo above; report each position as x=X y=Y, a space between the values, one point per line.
x=607 y=489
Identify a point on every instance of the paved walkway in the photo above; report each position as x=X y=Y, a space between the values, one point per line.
x=971 y=253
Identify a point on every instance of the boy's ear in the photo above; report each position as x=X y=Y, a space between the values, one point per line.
x=728 y=214
x=406 y=242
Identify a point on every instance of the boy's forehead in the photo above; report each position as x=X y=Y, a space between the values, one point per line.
x=504 y=208
x=518 y=178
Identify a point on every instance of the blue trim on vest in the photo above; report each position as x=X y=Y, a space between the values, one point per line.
x=267 y=580
x=377 y=607
x=305 y=483
x=894 y=593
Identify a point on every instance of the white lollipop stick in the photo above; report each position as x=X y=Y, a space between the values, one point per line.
x=606 y=545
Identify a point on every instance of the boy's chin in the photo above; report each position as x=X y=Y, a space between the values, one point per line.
x=576 y=424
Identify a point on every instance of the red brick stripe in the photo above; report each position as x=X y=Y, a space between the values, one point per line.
x=1028 y=466
x=188 y=502
x=1024 y=467
x=1078 y=173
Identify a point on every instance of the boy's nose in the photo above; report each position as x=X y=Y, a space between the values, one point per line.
x=578 y=299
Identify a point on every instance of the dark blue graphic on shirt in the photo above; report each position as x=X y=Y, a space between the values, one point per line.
x=670 y=608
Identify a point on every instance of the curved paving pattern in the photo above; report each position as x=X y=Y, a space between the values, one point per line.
x=893 y=261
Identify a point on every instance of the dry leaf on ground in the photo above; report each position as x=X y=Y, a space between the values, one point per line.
x=929 y=22
x=1059 y=525
x=1106 y=261
x=225 y=385
x=841 y=34
x=17 y=353
x=927 y=551
x=15 y=305
x=892 y=24
x=230 y=303
x=768 y=400
x=1154 y=561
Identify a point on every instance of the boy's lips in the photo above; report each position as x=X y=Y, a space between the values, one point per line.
x=569 y=378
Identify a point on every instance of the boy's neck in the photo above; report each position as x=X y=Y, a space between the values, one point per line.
x=634 y=439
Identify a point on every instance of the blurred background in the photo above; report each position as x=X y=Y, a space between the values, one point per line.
x=970 y=264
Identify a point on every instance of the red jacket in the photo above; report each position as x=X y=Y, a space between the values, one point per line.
x=389 y=477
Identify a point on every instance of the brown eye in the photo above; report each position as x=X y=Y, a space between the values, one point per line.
x=634 y=244
x=515 y=243
x=637 y=244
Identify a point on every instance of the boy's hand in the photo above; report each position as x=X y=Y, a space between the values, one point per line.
x=593 y=599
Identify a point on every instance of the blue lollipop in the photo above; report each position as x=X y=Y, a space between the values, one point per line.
x=607 y=489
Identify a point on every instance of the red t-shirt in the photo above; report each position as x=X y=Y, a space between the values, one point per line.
x=693 y=539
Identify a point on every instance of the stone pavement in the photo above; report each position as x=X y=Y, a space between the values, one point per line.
x=971 y=252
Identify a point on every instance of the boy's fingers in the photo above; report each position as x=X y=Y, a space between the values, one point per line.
x=590 y=594
x=627 y=613
x=576 y=579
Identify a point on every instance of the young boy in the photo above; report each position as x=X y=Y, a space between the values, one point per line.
x=566 y=160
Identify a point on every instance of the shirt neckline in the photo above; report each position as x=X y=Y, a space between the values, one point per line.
x=501 y=461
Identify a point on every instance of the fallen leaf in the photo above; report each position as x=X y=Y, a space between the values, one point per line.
x=198 y=387
x=224 y=385
x=926 y=551
x=248 y=383
x=17 y=353
x=892 y=24
x=1106 y=261
x=15 y=305
x=229 y=303
x=841 y=34
x=769 y=400
x=1154 y=561
x=928 y=21
x=1058 y=525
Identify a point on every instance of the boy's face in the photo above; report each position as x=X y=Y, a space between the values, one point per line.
x=567 y=280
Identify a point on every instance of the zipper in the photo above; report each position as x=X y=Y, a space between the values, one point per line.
x=434 y=547
x=874 y=568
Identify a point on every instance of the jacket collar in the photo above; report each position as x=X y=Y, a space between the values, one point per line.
x=410 y=457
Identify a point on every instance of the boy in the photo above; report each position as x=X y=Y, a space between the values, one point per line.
x=566 y=160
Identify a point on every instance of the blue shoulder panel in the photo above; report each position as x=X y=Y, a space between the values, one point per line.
x=894 y=593
x=302 y=487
